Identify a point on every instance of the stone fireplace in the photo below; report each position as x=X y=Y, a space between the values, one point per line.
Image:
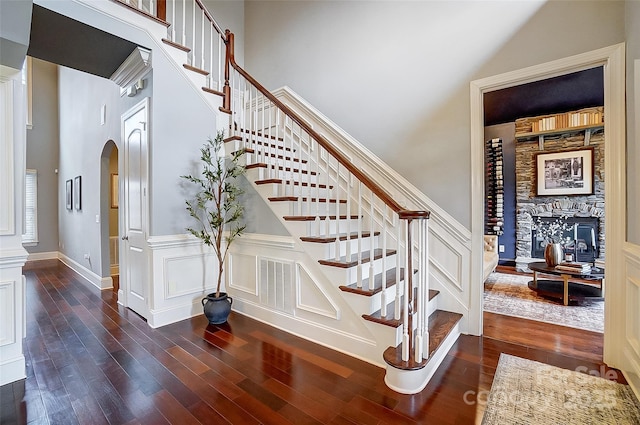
x=588 y=210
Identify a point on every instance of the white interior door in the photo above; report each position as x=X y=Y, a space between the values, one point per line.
x=134 y=217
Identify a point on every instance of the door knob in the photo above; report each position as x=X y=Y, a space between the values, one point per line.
x=125 y=238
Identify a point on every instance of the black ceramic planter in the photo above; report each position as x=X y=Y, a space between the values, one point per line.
x=217 y=309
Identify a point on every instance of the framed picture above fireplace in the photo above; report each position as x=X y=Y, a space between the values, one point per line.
x=564 y=173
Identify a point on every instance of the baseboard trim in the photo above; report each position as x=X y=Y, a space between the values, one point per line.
x=38 y=256
x=91 y=278
x=12 y=370
x=158 y=318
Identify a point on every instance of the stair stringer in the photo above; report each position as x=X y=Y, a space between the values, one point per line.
x=450 y=265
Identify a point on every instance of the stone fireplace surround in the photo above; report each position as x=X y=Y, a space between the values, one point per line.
x=529 y=206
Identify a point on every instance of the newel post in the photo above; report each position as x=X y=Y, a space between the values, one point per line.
x=415 y=303
x=161 y=11
x=226 y=105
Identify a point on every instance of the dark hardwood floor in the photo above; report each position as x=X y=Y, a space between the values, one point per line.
x=90 y=361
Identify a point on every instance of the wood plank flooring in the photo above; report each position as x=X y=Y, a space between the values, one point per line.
x=90 y=361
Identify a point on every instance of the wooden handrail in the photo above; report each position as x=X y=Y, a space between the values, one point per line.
x=211 y=19
x=366 y=180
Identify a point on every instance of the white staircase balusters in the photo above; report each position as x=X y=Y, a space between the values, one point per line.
x=383 y=296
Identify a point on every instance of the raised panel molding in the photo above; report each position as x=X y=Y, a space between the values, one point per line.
x=242 y=273
x=446 y=259
x=311 y=297
x=185 y=275
x=7 y=312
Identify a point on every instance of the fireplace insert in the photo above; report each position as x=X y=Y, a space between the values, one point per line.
x=580 y=240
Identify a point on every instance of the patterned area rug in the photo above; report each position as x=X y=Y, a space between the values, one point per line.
x=509 y=294
x=528 y=392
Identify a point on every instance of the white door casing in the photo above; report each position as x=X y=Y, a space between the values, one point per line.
x=134 y=275
x=612 y=59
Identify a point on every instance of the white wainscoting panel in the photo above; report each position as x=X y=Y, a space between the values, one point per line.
x=242 y=274
x=183 y=271
x=186 y=275
x=311 y=297
x=631 y=350
x=12 y=314
x=7 y=312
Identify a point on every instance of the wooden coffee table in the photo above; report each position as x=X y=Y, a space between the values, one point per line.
x=563 y=289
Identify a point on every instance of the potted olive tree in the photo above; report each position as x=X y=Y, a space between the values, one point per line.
x=218 y=212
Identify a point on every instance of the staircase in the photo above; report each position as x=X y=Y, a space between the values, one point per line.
x=373 y=249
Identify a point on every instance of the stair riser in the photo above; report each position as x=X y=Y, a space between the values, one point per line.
x=309 y=208
x=279 y=162
x=328 y=250
x=254 y=174
x=412 y=382
x=277 y=189
x=348 y=276
x=370 y=304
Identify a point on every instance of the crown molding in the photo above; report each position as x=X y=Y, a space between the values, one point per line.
x=133 y=68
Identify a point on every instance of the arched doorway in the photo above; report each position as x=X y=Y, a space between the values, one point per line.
x=109 y=228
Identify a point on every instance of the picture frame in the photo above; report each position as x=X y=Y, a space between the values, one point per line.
x=77 y=189
x=564 y=173
x=114 y=191
x=69 y=194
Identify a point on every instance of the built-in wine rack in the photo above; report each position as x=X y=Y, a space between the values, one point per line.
x=494 y=188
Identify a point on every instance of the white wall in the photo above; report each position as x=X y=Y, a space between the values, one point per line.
x=632 y=29
x=42 y=152
x=395 y=75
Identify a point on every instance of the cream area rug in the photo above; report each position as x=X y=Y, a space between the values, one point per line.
x=509 y=294
x=528 y=392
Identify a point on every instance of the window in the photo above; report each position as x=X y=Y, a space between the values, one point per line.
x=30 y=235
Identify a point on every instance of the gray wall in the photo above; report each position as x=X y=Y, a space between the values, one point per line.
x=396 y=75
x=229 y=14
x=632 y=27
x=43 y=152
x=82 y=139
x=15 y=24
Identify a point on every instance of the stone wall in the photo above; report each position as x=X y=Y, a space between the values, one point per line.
x=529 y=205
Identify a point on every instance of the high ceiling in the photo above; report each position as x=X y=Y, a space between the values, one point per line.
x=560 y=94
x=58 y=39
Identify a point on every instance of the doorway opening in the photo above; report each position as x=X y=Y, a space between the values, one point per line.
x=109 y=210
x=612 y=60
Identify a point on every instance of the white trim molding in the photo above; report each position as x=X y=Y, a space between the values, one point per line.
x=612 y=59
x=88 y=275
x=134 y=67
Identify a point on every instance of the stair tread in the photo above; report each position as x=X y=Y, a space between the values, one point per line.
x=273 y=155
x=258 y=134
x=212 y=91
x=345 y=262
x=194 y=69
x=441 y=323
x=281 y=168
x=389 y=320
x=280 y=181
x=259 y=142
x=390 y=278
x=304 y=199
x=332 y=238
x=176 y=45
x=314 y=217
